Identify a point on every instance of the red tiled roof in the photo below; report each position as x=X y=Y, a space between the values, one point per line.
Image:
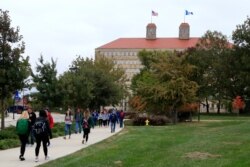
x=143 y=43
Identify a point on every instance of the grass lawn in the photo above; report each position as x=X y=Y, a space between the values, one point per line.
x=203 y=144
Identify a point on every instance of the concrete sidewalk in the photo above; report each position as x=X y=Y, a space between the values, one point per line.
x=59 y=148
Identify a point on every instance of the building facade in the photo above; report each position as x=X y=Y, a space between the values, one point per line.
x=124 y=51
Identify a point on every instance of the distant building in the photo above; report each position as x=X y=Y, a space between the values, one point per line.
x=124 y=51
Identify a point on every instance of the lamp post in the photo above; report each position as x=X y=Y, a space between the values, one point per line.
x=24 y=89
x=16 y=97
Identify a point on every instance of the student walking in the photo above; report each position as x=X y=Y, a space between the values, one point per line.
x=78 y=121
x=42 y=133
x=113 y=119
x=51 y=122
x=32 y=119
x=23 y=129
x=86 y=125
x=122 y=116
x=68 y=123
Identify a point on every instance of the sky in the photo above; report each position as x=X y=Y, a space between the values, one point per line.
x=63 y=29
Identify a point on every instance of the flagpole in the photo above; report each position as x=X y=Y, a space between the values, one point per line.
x=151 y=15
x=184 y=16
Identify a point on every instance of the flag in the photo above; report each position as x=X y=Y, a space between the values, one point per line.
x=188 y=12
x=154 y=13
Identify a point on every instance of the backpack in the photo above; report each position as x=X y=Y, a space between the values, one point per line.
x=85 y=124
x=22 y=126
x=113 y=117
x=51 y=120
x=40 y=127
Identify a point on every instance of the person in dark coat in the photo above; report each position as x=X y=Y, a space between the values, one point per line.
x=32 y=119
x=42 y=134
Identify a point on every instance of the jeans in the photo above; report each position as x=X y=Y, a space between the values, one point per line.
x=67 y=129
x=113 y=126
x=121 y=123
x=78 y=127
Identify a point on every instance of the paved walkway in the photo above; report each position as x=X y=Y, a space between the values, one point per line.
x=59 y=148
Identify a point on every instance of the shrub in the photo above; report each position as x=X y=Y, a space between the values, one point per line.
x=156 y=120
x=185 y=116
x=58 y=129
x=159 y=120
x=130 y=115
x=139 y=120
x=9 y=143
x=8 y=133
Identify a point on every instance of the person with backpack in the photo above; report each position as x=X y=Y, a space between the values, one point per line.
x=113 y=119
x=86 y=125
x=42 y=133
x=23 y=128
x=51 y=122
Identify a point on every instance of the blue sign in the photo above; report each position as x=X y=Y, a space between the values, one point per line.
x=16 y=97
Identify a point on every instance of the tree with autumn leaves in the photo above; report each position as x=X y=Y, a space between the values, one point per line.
x=238 y=104
x=164 y=84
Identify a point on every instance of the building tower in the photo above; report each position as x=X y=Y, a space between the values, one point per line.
x=184 y=31
x=151 y=31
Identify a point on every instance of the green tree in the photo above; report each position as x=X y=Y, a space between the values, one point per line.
x=14 y=68
x=241 y=51
x=46 y=83
x=164 y=84
x=91 y=84
x=211 y=57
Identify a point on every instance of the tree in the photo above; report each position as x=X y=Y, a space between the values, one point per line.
x=164 y=84
x=238 y=104
x=241 y=51
x=212 y=57
x=14 y=68
x=46 y=83
x=92 y=84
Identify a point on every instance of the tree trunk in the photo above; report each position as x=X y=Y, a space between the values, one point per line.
x=190 y=117
x=218 y=107
x=174 y=116
x=199 y=111
x=207 y=106
x=2 y=113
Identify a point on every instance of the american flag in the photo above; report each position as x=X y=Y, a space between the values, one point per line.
x=154 y=13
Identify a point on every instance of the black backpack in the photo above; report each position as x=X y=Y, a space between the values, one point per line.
x=40 y=127
x=113 y=117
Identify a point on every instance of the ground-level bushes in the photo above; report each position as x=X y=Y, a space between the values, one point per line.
x=156 y=120
x=9 y=137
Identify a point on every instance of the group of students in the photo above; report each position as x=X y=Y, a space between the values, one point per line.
x=37 y=129
x=83 y=121
x=106 y=117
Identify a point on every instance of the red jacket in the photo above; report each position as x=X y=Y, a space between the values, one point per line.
x=51 y=120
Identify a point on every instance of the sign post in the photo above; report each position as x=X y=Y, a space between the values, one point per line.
x=16 y=97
